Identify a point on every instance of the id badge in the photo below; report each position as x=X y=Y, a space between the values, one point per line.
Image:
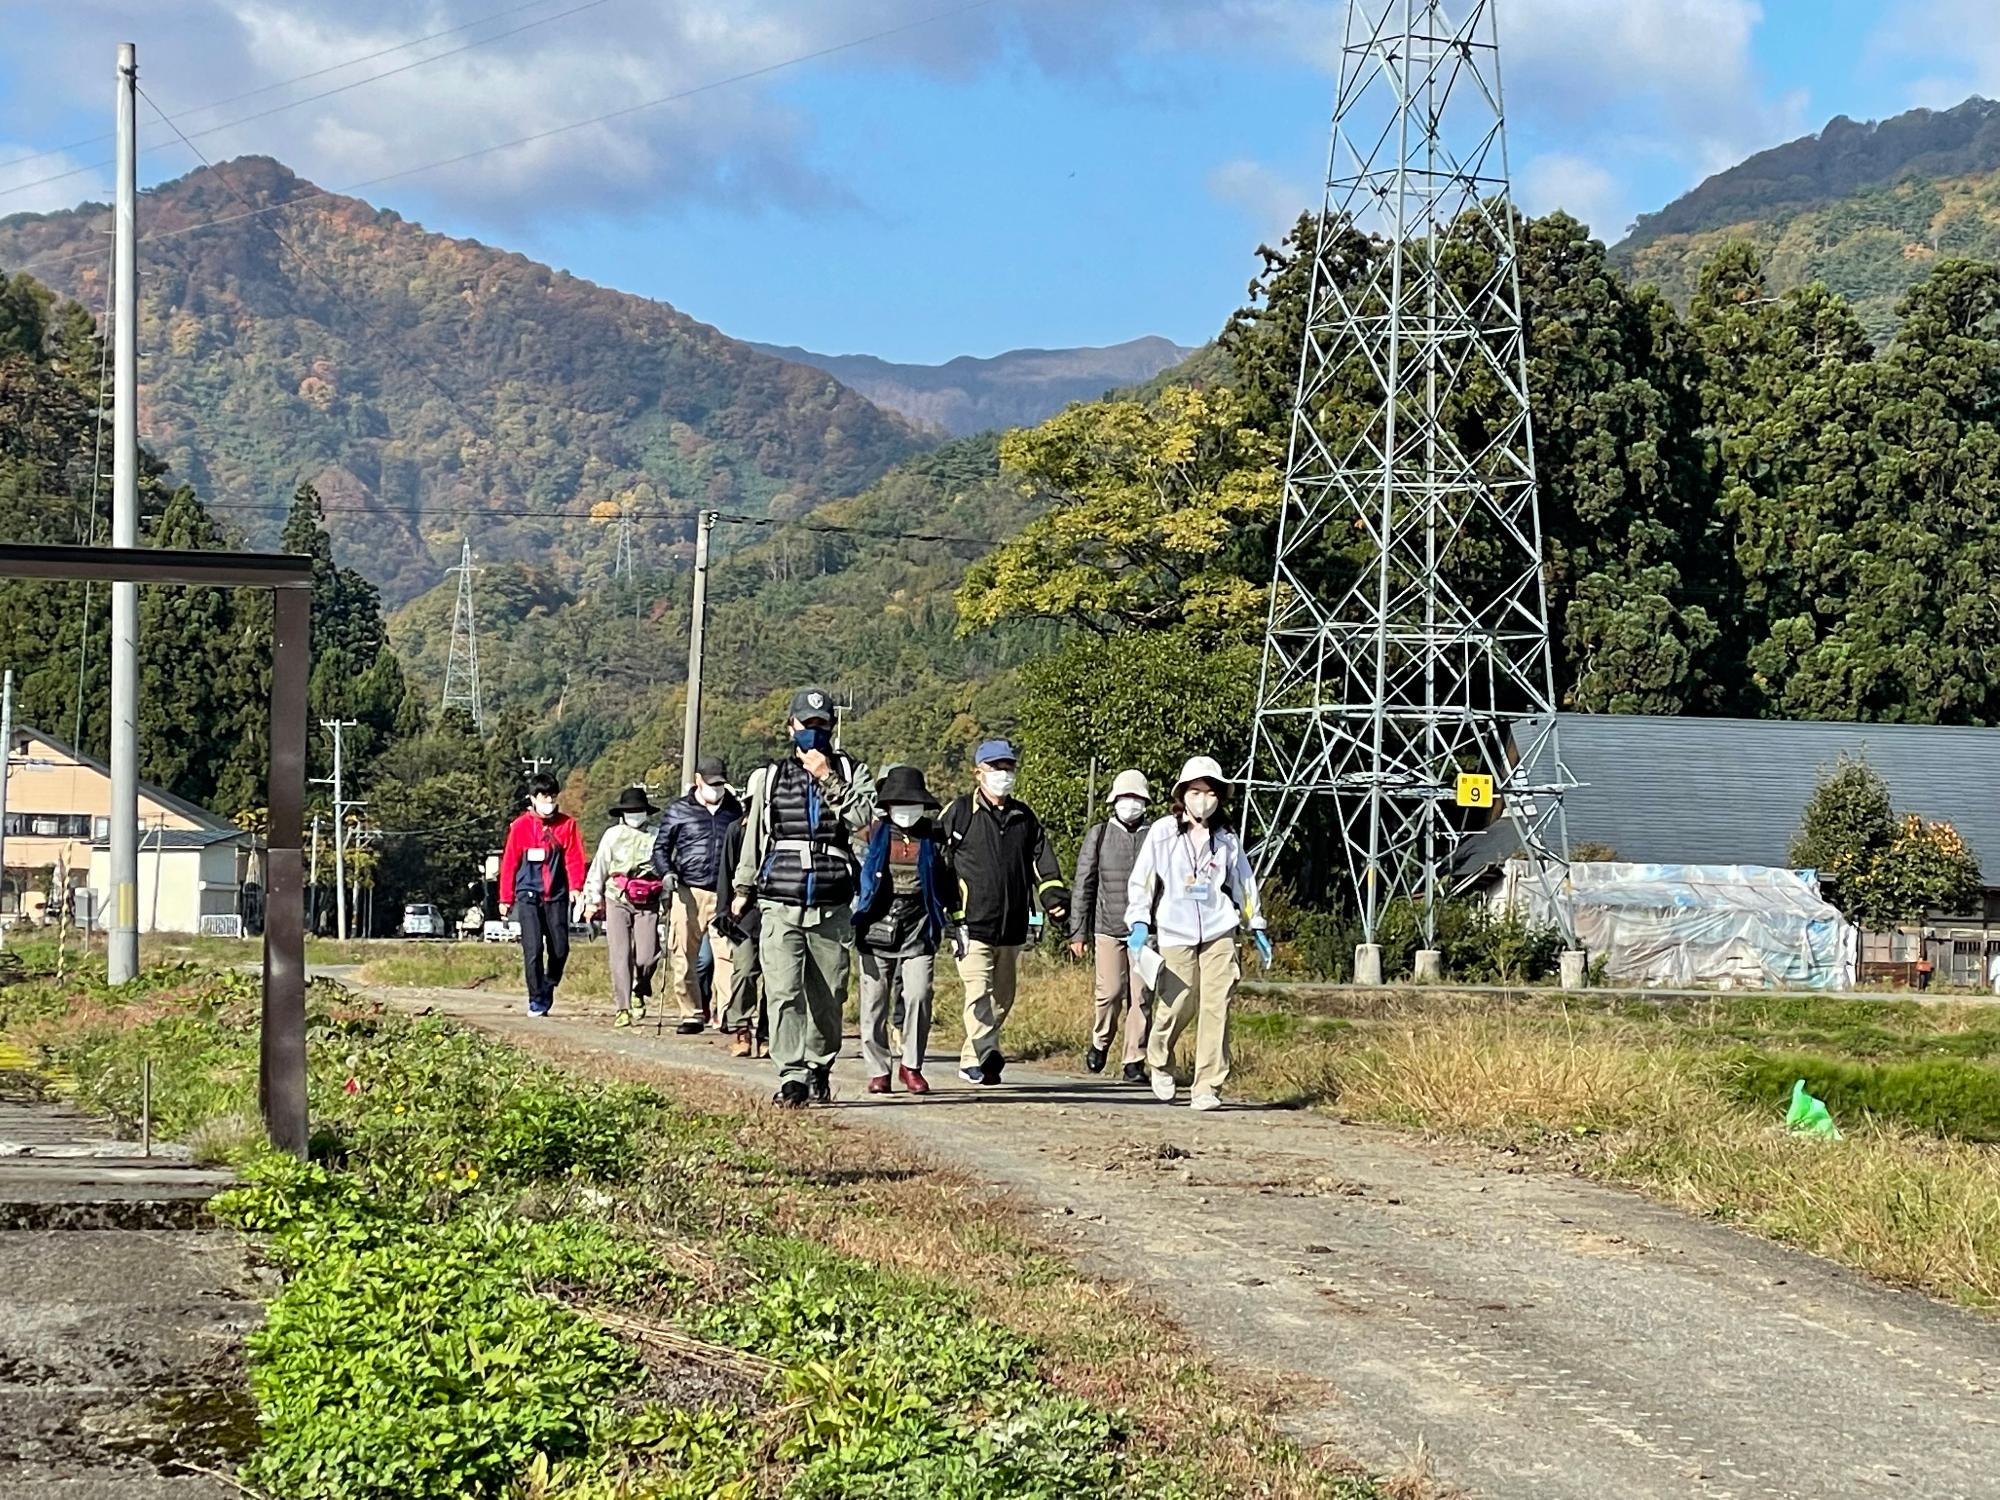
x=1200 y=890
x=536 y=856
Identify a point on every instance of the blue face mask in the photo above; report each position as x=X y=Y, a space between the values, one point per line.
x=813 y=737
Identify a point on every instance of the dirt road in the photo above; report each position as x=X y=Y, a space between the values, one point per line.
x=1538 y=1336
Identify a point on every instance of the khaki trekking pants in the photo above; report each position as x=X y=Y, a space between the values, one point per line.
x=805 y=955
x=988 y=972
x=1196 y=981
x=881 y=974
x=1120 y=991
x=693 y=910
x=633 y=941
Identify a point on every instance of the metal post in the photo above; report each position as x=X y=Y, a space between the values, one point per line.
x=145 y=1106
x=312 y=881
x=281 y=1083
x=691 y=733
x=6 y=760
x=122 y=954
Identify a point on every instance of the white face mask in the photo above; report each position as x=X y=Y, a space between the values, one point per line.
x=1129 y=809
x=634 y=820
x=997 y=783
x=1200 y=805
x=906 y=817
x=546 y=806
x=710 y=795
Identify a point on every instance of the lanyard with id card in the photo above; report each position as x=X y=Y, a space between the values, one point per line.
x=1200 y=884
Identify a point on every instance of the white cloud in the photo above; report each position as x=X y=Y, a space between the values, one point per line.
x=28 y=173
x=1270 y=201
x=1958 y=42
x=1581 y=188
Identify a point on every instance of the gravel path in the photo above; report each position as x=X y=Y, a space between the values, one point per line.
x=1537 y=1335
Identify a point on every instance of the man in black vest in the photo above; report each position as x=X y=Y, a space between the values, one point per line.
x=1001 y=864
x=798 y=864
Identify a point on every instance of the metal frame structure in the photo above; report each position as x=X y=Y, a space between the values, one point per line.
x=281 y=1076
x=1411 y=448
x=461 y=662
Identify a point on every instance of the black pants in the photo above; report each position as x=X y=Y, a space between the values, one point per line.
x=543 y=927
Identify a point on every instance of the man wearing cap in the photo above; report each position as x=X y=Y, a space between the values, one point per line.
x=1001 y=863
x=687 y=851
x=798 y=865
x=1097 y=926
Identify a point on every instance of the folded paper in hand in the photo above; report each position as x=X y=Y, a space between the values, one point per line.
x=1147 y=961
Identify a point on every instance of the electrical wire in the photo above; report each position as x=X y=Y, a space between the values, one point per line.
x=415 y=41
x=679 y=95
x=278 y=109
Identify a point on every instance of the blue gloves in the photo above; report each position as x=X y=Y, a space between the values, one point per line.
x=1137 y=940
x=1263 y=941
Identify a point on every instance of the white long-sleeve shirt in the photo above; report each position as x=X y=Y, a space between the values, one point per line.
x=1204 y=885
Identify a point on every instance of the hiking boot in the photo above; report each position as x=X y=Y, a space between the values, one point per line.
x=638 y=1010
x=763 y=1046
x=688 y=1028
x=913 y=1080
x=791 y=1095
x=743 y=1046
x=879 y=1084
x=822 y=1084
x=991 y=1066
x=1094 y=1059
x=622 y=1019
x=1135 y=1072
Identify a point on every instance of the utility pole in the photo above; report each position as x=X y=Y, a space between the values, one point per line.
x=341 y=807
x=6 y=761
x=122 y=951
x=691 y=734
x=312 y=882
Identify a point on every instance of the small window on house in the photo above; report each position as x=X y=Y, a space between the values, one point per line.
x=42 y=828
x=100 y=828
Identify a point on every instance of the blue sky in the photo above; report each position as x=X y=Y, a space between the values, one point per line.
x=1025 y=172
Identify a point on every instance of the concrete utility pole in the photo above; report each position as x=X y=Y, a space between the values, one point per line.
x=122 y=952
x=312 y=880
x=6 y=761
x=340 y=810
x=691 y=734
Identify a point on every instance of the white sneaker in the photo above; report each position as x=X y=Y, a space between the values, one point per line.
x=1163 y=1086
x=1204 y=1102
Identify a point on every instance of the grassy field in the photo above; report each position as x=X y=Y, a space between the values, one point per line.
x=501 y=1279
x=1684 y=1099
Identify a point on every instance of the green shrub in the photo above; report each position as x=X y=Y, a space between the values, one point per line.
x=1946 y=1096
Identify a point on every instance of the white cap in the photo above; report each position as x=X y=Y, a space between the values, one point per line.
x=1130 y=784
x=1201 y=768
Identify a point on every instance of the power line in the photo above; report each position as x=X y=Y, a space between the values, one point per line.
x=415 y=41
x=688 y=93
x=278 y=109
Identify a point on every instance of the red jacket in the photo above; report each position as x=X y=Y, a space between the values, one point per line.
x=561 y=866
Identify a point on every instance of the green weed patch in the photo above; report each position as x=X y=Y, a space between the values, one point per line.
x=1945 y=1096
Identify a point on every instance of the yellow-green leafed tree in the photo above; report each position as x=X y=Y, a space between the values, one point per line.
x=1145 y=499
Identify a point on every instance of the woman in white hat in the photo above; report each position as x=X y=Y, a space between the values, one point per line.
x=621 y=888
x=1191 y=889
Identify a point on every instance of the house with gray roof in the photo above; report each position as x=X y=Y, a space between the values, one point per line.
x=1733 y=791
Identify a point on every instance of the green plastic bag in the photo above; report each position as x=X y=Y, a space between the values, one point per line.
x=1808 y=1115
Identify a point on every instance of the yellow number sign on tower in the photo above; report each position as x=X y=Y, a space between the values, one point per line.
x=1475 y=791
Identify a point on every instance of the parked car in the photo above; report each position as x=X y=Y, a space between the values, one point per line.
x=508 y=931
x=421 y=919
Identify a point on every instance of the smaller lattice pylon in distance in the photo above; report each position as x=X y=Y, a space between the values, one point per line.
x=461 y=663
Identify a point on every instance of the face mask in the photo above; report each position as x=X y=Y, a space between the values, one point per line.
x=546 y=806
x=1129 y=809
x=1200 y=805
x=906 y=817
x=997 y=783
x=634 y=820
x=813 y=737
x=709 y=796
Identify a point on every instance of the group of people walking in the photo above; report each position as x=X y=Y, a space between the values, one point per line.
x=816 y=862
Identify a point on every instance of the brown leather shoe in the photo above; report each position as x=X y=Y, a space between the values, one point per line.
x=912 y=1080
x=879 y=1084
x=743 y=1046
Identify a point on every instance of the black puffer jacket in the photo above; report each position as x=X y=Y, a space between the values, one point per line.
x=689 y=844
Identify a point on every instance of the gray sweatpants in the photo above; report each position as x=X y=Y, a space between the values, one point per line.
x=633 y=938
x=804 y=956
x=879 y=973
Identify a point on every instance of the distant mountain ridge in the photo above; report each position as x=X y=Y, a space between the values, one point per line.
x=973 y=394
x=1865 y=208
x=434 y=387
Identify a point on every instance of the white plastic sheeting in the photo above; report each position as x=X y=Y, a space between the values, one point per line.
x=1735 y=926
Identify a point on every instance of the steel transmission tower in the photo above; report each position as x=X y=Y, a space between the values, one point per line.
x=461 y=663
x=1409 y=616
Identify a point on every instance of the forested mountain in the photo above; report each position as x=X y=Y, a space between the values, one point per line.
x=1015 y=389
x=1866 y=208
x=427 y=386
